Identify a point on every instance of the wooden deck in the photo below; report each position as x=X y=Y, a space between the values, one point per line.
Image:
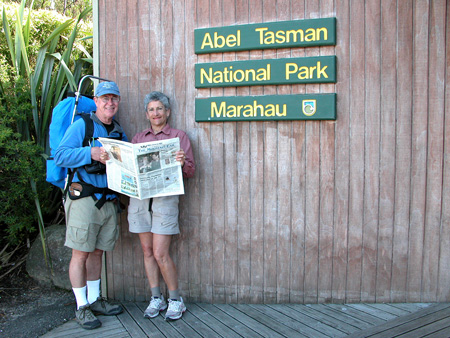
x=264 y=320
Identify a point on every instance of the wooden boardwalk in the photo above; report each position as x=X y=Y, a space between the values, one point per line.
x=275 y=321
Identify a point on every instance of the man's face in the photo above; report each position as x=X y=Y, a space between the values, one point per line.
x=107 y=106
x=157 y=114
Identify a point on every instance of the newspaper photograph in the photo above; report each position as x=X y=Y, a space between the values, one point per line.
x=144 y=170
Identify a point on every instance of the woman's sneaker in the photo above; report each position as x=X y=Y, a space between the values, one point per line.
x=176 y=309
x=86 y=318
x=156 y=305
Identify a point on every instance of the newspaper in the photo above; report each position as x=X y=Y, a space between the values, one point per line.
x=144 y=170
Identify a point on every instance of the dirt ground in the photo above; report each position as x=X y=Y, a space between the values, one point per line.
x=28 y=310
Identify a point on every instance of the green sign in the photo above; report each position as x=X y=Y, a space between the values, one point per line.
x=281 y=34
x=320 y=69
x=266 y=108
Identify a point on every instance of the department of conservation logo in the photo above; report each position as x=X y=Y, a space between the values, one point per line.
x=309 y=107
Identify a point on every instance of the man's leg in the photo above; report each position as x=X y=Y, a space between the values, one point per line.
x=98 y=305
x=93 y=272
x=78 y=275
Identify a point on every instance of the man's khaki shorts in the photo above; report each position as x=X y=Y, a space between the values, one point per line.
x=89 y=228
x=162 y=220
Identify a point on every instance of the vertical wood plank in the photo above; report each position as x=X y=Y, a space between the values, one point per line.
x=356 y=197
x=444 y=241
x=402 y=151
x=341 y=203
x=435 y=151
x=284 y=174
x=256 y=180
x=312 y=219
x=387 y=151
x=270 y=180
x=298 y=184
x=193 y=205
x=167 y=48
x=144 y=82
x=372 y=152
x=205 y=176
x=243 y=139
x=127 y=78
x=179 y=85
x=231 y=181
x=217 y=193
x=327 y=191
x=419 y=151
x=156 y=43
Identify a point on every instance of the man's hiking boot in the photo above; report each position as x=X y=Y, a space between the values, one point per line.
x=104 y=307
x=86 y=318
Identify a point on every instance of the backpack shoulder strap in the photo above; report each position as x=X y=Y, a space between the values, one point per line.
x=89 y=129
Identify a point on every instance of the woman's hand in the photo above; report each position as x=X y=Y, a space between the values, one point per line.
x=180 y=156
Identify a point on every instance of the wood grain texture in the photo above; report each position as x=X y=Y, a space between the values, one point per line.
x=352 y=210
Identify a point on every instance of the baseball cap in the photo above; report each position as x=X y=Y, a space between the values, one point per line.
x=105 y=88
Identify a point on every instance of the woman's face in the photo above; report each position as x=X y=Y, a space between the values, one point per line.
x=157 y=114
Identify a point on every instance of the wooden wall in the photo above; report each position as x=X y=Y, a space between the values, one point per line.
x=352 y=210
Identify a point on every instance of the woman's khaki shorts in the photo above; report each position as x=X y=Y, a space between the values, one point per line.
x=89 y=228
x=162 y=220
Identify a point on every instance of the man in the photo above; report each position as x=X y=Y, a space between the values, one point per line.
x=91 y=208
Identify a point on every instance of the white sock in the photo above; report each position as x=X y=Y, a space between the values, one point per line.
x=93 y=290
x=80 y=296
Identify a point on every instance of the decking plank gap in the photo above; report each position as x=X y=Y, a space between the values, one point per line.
x=228 y=320
x=130 y=324
x=220 y=328
x=198 y=325
x=248 y=321
x=319 y=316
x=341 y=316
x=410 y=307
x=268 y=321
x=323 y=328
x=272 y=320
x=431 y=328
x=397 y=326
x=294 y=322
x=374 y=312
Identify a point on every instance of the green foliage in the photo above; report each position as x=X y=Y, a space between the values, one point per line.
x=42 y=56
x=20 y=161
x=43 y=23
x=70 y=8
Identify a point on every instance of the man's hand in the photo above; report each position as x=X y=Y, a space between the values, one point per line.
x=99 y=154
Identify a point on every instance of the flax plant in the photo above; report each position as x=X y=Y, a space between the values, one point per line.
x=54 y=73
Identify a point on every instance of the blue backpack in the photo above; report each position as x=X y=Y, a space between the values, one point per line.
x=61 y=120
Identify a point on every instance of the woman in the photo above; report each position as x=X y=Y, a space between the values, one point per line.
x=156 y=219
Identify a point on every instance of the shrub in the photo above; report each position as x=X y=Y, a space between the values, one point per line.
x=20 y=161
x=34 y=75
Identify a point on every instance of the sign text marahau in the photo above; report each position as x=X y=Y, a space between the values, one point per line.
x=282 y=34
x=319 y=69
x=266 y=108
